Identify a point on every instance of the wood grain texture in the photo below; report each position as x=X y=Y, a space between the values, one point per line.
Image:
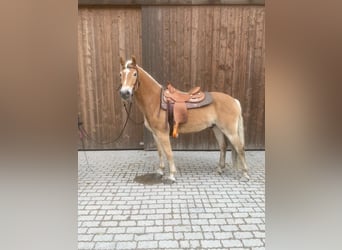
x=220 y=48
x=105 y=34
x=170 y=2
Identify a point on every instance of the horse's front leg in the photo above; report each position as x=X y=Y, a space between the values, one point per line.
x=160 y=170
x=164 y=141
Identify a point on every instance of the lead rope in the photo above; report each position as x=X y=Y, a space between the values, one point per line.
x=135 y=122
x=84 y=151
x=79 y=124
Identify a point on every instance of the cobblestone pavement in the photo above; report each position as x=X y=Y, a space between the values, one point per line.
x=202 y=210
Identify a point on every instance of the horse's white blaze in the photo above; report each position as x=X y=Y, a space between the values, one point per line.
x=124 y=84
x=127 y=63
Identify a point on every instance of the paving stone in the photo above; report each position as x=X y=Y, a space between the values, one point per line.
x=116 y=230
x=223 y=235
x=168 y=244
x=141 y=237
x=123 y=237
x=163 y=236
x=105 y=245
x=252 y=242
x=148 y=244
x=243 y=235
x=210 y=243
x=86 y=245
x=193 y=236
x=85 y=237
x=154 y=229
x=184 y=244
x=231 y=243
x=194 y=244
x=103 y=237
x=251 y=227
x=126 y=245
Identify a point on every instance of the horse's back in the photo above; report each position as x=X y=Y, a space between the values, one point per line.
x=223 y=107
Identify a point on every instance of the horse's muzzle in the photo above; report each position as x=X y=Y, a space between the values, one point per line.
x=125 y=94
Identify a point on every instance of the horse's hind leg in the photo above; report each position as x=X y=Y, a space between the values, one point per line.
x=221 y=139
x=235 y=159
x=161 y=168
x=240 y=153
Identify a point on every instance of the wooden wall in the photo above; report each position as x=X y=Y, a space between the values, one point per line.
x=220 y=48
x=105 y=34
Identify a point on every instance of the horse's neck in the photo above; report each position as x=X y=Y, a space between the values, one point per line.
x=148 y=93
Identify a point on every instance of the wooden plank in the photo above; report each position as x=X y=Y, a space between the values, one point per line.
x=170 y=2
x=194 y=45
x=187 y=47
x=259 y=78
x=173 y=47
x=215 y=48
x=222 y=49
x=165 y=29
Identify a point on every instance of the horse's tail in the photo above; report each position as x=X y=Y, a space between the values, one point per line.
x=240 y=125
x=241 y=130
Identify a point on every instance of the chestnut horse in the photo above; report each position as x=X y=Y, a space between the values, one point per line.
x=223 y=115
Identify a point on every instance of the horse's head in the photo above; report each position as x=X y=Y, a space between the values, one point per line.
x=128 y=78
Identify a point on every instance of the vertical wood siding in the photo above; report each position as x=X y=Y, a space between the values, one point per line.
x=220 y=48
x=105 y=34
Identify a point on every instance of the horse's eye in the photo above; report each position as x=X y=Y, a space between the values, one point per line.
x=120 y=74
x=135 y=74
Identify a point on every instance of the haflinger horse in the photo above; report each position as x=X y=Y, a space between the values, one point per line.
x=223 y=116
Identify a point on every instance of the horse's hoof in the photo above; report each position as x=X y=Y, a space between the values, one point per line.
x=219 y=170
x=160 y=172
x=245 y=177
x=170 y=180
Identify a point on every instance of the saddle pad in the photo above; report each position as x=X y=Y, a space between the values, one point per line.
x=190 y=105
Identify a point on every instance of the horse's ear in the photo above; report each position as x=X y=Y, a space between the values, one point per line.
x=134 y=62
x=122 y=62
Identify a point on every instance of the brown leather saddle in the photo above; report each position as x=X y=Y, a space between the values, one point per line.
x=177 y=103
